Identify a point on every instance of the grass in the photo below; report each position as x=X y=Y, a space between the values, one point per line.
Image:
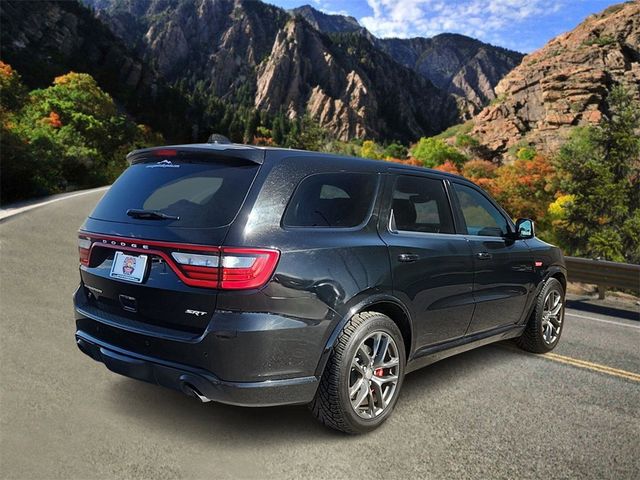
x=455 y=130
x=600 y=41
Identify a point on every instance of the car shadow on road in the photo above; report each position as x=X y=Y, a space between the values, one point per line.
x=211 y=422
x=588 y=305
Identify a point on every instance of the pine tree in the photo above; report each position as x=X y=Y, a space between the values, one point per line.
x=251 y=125
x=600 y=167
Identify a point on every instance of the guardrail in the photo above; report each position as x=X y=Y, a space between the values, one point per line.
x=603 y=274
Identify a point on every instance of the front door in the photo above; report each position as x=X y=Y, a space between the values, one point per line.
x=504 y=273
x=432 y=267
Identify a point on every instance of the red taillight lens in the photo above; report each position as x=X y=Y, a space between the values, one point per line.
x=84 y=248
x=244 y=268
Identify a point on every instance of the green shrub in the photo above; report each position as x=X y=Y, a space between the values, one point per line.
x=433 y=152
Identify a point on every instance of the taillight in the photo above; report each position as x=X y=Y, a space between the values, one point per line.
x=196 y=265
x=199 y=267
x=244 y=268
x=196 y=259
x=84 y=247
x=234 y=269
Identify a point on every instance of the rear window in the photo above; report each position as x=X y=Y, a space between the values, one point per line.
x=420 y=205
x=201 y=194
x=338 y=200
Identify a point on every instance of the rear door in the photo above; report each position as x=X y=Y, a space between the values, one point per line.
x=503 y=270
x=161 y=268
x=431 y=266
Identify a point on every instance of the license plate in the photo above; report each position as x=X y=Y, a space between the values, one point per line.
x=128 y=267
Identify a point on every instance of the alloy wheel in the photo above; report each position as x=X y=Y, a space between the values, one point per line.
x=373 y=377
x=552 y=314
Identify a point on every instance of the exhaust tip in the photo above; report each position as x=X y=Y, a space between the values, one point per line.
x=194 y=392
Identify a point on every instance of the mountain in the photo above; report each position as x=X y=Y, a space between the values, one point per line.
x=191 y=67
x=349 y=86
x=42 y=40
x=459 y=65
x=328 y=23
x=564 y=84
x=250 y=52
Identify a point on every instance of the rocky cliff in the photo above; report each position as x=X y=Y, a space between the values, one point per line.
x=327 y=23
x=210 y=61
x=42 y=40
x=464 y=67
x=564 y=84
x=45 y=39
x=459 y=65
x=251 y=52
x=349 y=86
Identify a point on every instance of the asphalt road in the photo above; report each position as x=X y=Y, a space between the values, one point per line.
x=495 y=412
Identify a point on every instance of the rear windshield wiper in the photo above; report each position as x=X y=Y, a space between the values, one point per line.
x=150 y=214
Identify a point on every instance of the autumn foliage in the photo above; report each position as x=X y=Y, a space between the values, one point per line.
x=69 y=135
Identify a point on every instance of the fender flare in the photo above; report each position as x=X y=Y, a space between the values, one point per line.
x=359 y=304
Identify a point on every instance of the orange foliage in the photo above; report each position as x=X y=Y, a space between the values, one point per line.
x=482 y=172
x=53 y=119
x=525 y=187
x=264 y=141
x=448 y=167
x=411 y=161
x=5 y=69
x=66 y=78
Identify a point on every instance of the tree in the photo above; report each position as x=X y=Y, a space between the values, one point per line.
x=12 y=91
x=371 y=149
x=251 y=125
x=396 y=150
x=525 y=188
x=278 y=130
x=481 y=172
x=307 y=134
x=64 y=136
x=28 y=168
x=600 y=169
x=236 y=129
x=433 y=152
x=448 y=167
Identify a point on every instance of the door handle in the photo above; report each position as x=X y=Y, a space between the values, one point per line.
x=407 y=257
x=484 y=255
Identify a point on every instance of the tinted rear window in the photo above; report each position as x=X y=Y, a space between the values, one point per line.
x=201 y=194
x=420 y=204
x=339 y=200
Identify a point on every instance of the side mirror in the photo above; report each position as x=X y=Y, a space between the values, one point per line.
x=525 y=229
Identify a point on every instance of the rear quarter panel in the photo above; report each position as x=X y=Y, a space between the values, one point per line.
x=322 y=272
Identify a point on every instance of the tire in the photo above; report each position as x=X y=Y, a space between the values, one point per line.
x=537 y=338
x=349 y=365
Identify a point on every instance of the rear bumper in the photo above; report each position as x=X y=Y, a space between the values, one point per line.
x=197 y=382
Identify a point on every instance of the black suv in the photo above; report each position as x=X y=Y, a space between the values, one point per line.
x=261 y=276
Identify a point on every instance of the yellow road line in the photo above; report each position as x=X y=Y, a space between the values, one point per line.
x=596 y=367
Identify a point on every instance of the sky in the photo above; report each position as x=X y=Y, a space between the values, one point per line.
x=522 y=25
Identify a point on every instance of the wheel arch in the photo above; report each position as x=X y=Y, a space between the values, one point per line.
x=560 y=274
x=385 y=304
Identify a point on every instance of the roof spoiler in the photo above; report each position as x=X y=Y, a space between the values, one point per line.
x=202 y=151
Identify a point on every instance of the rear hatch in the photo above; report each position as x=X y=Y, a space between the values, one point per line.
x=150 y=250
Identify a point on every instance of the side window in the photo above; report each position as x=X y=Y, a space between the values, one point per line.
x=420 y=204
x=481 y=217
x=338 y=200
